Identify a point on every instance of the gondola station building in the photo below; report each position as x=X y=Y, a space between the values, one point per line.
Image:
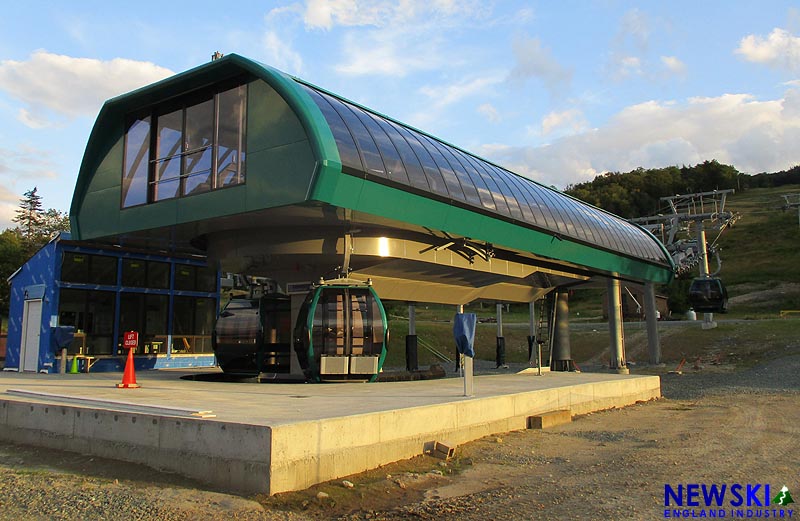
x=268 y=175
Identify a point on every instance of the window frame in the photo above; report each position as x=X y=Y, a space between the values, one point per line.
x=183 y=103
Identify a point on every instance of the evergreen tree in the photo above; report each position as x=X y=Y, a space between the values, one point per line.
x=30 y=215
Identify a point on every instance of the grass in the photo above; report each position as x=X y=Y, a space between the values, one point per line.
x=741 y=343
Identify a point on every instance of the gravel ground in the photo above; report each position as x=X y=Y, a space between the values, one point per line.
x=714 y=425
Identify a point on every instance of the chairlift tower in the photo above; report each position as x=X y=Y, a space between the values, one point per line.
x=693 y=214
x=792 y=201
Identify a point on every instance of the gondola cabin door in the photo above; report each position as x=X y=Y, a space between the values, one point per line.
x=347 y=339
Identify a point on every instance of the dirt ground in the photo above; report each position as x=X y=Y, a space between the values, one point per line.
x=718 y=426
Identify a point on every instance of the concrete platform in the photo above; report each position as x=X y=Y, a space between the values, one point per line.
x=272 y=438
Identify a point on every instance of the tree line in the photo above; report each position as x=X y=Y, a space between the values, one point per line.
x=637 y=193
x=35 y=227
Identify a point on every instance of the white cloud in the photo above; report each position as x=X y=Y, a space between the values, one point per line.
x=570 y=121
x=444 y=95
x=752 y=135
x=20 y=169
x=535 y=61
x=488 y=111
x=70 y=87
x=779 y=50
x=281 y=55
x=674 y=65
x=324 y=14
x=396 y=38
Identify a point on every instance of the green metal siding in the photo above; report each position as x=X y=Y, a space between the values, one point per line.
x=292 y=158
x=377 y=199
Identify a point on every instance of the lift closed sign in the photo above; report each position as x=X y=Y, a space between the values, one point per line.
x=130 y=340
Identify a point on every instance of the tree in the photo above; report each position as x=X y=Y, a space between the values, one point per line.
x=53 y=222
x=30 y=214
x=13 y=254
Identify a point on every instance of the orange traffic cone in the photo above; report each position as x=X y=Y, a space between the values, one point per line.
x=129 y=376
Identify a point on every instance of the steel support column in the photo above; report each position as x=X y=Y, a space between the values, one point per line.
x=617 y=362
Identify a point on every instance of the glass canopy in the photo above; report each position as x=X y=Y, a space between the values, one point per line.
x=386 y=151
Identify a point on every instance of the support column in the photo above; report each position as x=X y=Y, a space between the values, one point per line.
x=617 y=362
x=708 y=318
x=500 y=352
x=651 y=316
x=534 y=349
x=562 y=355
x=412 y=358
x=459 y=309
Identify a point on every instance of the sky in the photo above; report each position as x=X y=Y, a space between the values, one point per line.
x=556 y=91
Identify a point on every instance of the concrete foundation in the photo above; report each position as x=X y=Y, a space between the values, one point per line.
x=271 y=438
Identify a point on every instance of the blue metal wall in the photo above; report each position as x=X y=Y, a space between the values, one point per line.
x=40 y=277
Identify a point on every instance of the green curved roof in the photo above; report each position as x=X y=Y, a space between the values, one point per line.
x=368 y=162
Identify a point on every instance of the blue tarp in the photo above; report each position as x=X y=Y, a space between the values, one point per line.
x=464 y=333
x=62 y=336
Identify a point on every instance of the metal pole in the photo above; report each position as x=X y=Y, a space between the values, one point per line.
x=651 y=315
x=412 y=358
x=532 y=338
x=708 y=318
x=500 y=353
x=615 y=328
x=459 y=357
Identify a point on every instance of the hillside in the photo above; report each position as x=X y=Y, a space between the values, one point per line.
x=761 y=253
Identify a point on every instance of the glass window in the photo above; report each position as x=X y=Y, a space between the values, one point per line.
x=185 y=277
x=508 y=193
x=147 y=315
x=92 y=315
x=521 y=194
x=102 y=270
x=137 y=160
x=75 y=267
x=199 y=145
x=480 y=183
x=206 y=279
x=169 y=138
x=450 y=179
x=192 y=323
x=157 y=275
x=413 y=167
x=432 y=173
x=464 y=179
x=231 y=135
x=134 y=273
x=371 y=158
x=82 y=268
x=348 y=152
x=391 y=158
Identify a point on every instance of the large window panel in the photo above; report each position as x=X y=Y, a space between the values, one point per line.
x=464 y=178
x=231 y=135
x=450 y=179
x=192 y=323
x=412 y=164
x=190 y=147
x=391 y=158
x=345 y=142
x=432 y=173
x=480 y=183
x=370 y=156
x=91 y=313
x=168 y=155
x=137 y=162
x=198 y=147
x=511 y=199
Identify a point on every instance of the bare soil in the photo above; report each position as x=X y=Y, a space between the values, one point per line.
x=719 y=426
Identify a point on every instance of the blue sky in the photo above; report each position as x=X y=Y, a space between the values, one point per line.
x=557 y=91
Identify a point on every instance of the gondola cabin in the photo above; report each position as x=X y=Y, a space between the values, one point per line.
x=341 y=332
x=252 y=336
x=708 y=295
